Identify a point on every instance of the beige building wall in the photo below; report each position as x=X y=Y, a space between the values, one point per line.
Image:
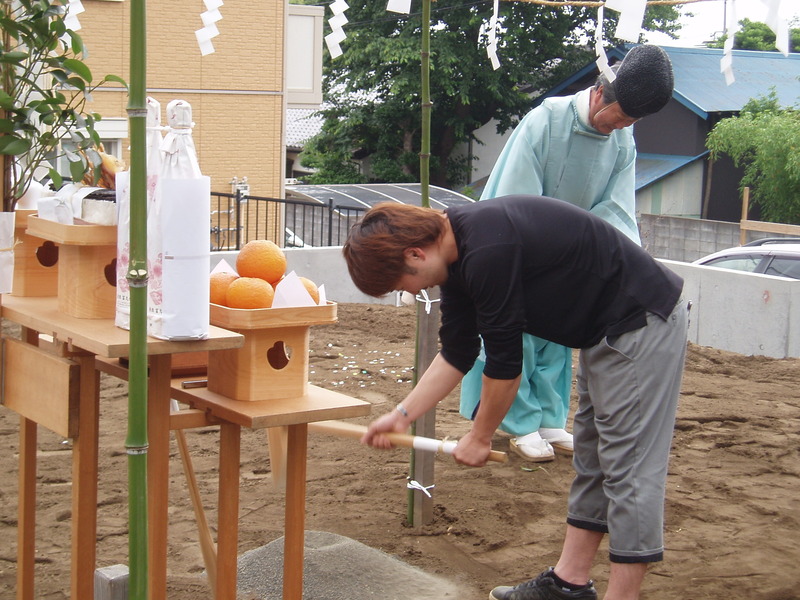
x=236 y=93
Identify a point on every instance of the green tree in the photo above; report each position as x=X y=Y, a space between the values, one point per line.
x=765 y=140
x=757 y=36
x=45 y=87
x=373 y=90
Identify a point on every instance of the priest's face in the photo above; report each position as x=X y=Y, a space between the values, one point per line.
x=605 y=118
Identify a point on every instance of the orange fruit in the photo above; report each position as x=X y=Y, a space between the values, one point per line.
x=262 y=259
x=312 y=289
x=250 y=292
x=220 y=281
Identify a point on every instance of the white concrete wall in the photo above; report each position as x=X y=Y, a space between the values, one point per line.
x=738 y=312
x=678 y=194
x=485 y=150
x=745 y=313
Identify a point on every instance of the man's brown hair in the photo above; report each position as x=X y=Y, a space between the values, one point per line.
x=375 y=246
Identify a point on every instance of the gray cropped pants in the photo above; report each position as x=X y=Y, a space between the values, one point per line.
x=628 y=388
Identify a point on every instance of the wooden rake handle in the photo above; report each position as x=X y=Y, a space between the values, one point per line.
x=403 y=440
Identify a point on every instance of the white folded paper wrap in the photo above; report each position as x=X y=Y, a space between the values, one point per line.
x=290 y=292
x=178 y=303
x=6 y=252
x=178 y=225
x=70 y=202
x=122 y=315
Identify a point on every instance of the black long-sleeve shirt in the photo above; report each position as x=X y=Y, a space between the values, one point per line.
x=545 y=267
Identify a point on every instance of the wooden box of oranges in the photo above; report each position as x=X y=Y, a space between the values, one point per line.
x=35 y=261
x=273 y=362
x=87 y=266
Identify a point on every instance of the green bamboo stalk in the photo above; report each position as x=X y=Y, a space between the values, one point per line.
x=136 y=442
x=424 y=179
x=425 y=152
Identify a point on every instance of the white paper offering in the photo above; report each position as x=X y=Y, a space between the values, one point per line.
x=223 y=267
x=6 y=252
x=181 y=311
x=291 y=292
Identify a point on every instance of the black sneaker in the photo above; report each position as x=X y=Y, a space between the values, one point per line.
x=543 y=587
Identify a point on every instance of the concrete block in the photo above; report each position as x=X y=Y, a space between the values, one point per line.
x=111 y=583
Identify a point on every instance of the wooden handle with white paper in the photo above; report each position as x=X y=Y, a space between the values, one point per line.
x=403 y=440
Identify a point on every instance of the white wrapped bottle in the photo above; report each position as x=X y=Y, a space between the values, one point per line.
x=154 y=138
x=179 y=227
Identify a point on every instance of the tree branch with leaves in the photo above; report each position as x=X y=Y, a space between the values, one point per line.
x=43 y=102
x=372 y=91
x=765 y=140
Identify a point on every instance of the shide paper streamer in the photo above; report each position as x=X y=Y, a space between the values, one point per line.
x=337 y=34
x=600 y=51
x=74 y=8
x=629 y=27
x=209 y=29
x=491 y=47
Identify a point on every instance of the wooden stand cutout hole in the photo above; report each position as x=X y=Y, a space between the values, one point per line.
x=279 y=355
x=110 y=272
x=47 y=254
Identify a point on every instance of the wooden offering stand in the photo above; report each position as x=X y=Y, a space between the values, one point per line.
x=35 y=261
x=264 y=385
x=68 y=402
x=273 y=362
x=87 y=266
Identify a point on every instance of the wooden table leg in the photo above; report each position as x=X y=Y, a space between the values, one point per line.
x=26 y=519
x=158 y=437
x=228 y=520
x=84 y=481
x=294 y=528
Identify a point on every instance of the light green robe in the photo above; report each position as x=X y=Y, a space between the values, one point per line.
x=554 y=152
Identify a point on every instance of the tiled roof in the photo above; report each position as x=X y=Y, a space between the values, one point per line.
x=301 y=125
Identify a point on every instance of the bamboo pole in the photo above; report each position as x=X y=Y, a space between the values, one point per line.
x=136 y=441
x=420 y=506
x=425 y=74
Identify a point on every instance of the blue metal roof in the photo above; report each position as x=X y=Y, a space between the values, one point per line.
x=652 y=167
x=700 y=85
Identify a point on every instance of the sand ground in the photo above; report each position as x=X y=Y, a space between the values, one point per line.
x=732 y=514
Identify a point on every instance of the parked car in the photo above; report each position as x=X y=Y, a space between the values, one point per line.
x=771 y=256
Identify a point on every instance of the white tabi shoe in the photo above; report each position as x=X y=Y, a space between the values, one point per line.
x=559 y=439
x=532 y=447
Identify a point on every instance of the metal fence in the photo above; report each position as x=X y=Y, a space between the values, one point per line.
x=238 y=218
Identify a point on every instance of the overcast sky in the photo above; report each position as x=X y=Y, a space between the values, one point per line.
x=709 y=19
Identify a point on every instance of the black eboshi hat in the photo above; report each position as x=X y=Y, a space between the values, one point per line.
x=644 y=81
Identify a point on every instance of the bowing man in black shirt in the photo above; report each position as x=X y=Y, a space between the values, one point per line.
x=545 y=267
